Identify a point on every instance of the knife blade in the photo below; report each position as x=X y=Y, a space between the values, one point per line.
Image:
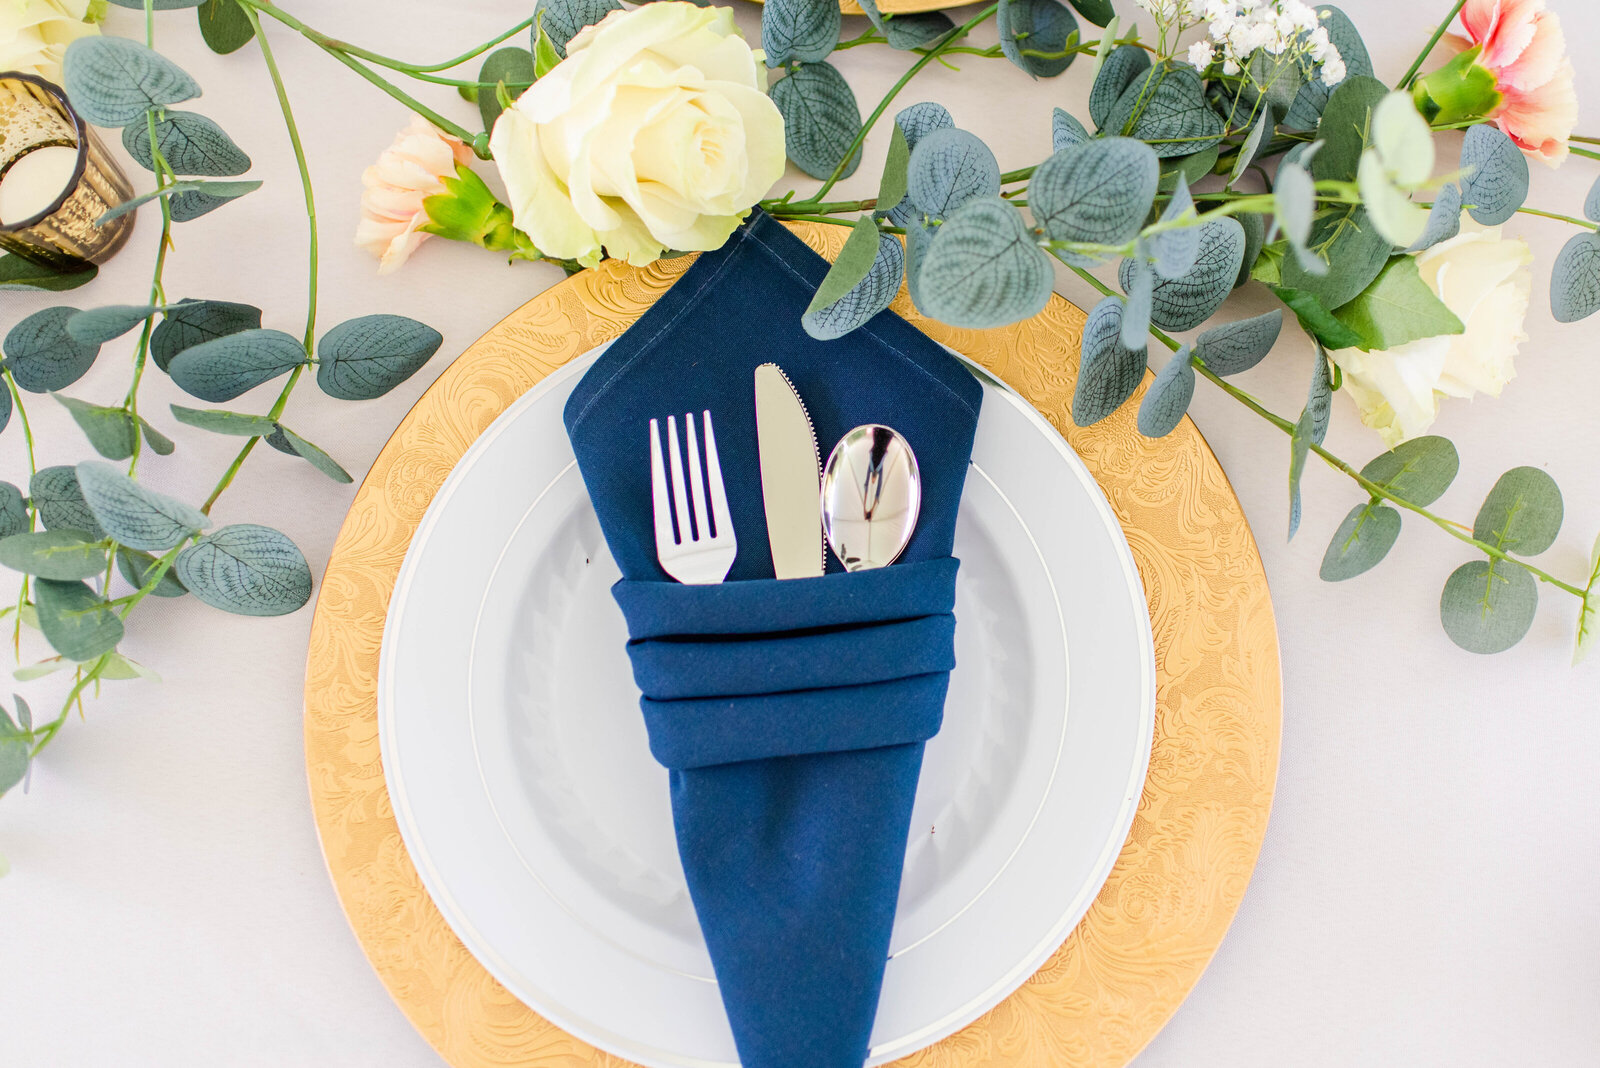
x=791 y=476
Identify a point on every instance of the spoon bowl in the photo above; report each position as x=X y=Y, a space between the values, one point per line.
x=871 y=495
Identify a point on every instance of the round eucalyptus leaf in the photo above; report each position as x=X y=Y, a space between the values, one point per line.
x=982 y=268
x=511 y=67
x=96 y=326
x=193 y=203
x=1167 y=109
x=1294 y=206
x=113 y=432
x=42 y=356
x=1167 y=400
x=282 y=436
x=366 y=357
x=5 y=406
x=112 y=81
x=1139 y=284
x=77 y=622
x=1065 y=130
x=1312 y=97
x=1121 y=68
x=1361 y=542
x=562 y=19
x=136 y=568
x=867 y=296
x=194 y=322
x=1591 y=203
x=190 y=143
x=53 y=554
x=1098 y=192
x=1235 y=347
x=1255 y=237
x=1575 y=280
x=59 y=501
x=1035 y=33
x=1319 y=398
x=135 y=516
x=1444 y=218
x=1099 y=12
x=947 y=169
x=918 y=236
x=1108 y=373
x=13 y=511
x=1495 y=182
x=799 y=31
x=1487 y=605
x=248 y=570
x=1345 y=123
x=820 y=118
x=1419 y=470
x=1173 y=251
x=1351 y=252
x=910 y=29
x=915 y=123
x=227 y=367
x=1184 y=303
x=1522 y=513
x=224 y=26
x=26 y=276
x=154 y=438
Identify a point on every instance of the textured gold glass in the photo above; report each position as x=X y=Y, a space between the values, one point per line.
x=34 y=114
x=1182 y=872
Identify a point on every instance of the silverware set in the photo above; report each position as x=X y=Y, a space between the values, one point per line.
x=863 y=504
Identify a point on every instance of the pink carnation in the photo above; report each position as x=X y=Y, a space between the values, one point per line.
x=1524 y=46
x=409 y=171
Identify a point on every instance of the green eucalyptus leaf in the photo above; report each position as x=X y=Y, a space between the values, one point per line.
x=135 y=516
x=1236 y=347
x=799 y=31
x=562 y=19
x=892 y=186
x=1495 y=182
x=13 y=511
x=1255 y=238
x=1035 y=33
x=1065 y=130
x=913 y=124
x=248 y=570
x=112 y=81
x=5 y=405
x=1173 y=252
x=1352 y=251
x=20 y=274
x=1125 y=65
x=1191 y=169
x=1138 y=282
x=1319 y=398
x=1098 y=12
x=1252 y=145
x=1419 y=470
x=1167 y=109
x=1108 y=373
x=136 y=567
x=1346 y=127
x=1185 y=302
x=77 y=622
x=1575 y=280
x=96 y=326
x=546 y=57
x=227 y=367
x=190 y=143
x=368 y=356
x=1488 y=605
x=42 y=356
x=1390 y=208
x=287 y=441
x=237 y=424
x=948 y=168
x=910 y=29
x=189 y=199
x=194 y=322
x=1396 y=308
x=225 y=26
x=53 y=554
x=1522 y=513
x=16 y=748
x=511 y=67
x=118 y=668
x=159 y=442
x=113 y=432
x=1591 y=203
x=820 y=119
x=983 y=268
x=59 y=501
x=1361 y=542
x=1099 y=192
x=1312 y=98
x=1444 y=218
x=1299 y=449
x=1317 y=320
x=1168 y=398
x=861 y=252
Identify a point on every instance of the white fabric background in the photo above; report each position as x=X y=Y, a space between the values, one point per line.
x=1426 y=894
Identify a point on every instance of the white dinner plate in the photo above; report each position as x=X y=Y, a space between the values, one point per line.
x=516 y=756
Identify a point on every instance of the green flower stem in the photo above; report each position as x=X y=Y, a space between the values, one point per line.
x=1584 y=152
x=1584 y=140
x=158 y=295
x=42 y=736
x=33 y=467
x=1585 y=223
x=789 y=210
x=422 y=68
x=929 y=56
x=1456 y=530
x=1020 y=175
x=1416 y=64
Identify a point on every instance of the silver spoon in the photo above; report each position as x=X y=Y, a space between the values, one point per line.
x=871 y=494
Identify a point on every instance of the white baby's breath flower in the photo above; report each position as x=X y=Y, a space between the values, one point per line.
x=1288 y=30
x=1200 y=55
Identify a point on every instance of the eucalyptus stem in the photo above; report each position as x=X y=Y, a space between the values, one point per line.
x=1422 y=56
x=1585 y=223
x=421 y=68
x=33 y=467
x=929 y=56
x=158 y=294
x=1459 y=531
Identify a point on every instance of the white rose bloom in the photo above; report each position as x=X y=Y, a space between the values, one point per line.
x=34 y=34
x=1483 y=278
x=654 y=133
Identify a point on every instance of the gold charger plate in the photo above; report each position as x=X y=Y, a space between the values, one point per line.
x=1179 y=878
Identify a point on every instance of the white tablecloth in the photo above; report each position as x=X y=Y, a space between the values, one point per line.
x=1426 y=893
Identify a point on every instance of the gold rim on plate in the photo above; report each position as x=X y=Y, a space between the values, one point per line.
x=1179 y=878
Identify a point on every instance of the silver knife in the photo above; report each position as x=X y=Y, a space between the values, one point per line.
x=791 y=476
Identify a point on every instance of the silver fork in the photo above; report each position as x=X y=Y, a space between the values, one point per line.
x=702 y=554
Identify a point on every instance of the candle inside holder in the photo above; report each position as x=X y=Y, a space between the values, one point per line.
x=35 y=181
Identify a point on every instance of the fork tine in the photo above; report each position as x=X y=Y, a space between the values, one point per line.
x=680 y=496
x=658 y=491
x=719 y=493
x=697 y=486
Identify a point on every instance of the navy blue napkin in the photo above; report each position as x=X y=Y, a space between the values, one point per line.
x=791 y=714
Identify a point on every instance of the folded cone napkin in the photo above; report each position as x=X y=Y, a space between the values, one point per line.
x=791 y=714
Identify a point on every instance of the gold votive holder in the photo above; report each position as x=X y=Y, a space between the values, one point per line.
x=62 y=233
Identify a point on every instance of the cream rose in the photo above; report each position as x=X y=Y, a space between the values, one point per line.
x=654 y=133
x=34 y=34
x=1483 y=278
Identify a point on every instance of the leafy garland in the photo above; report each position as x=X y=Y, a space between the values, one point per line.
x=946 y=221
